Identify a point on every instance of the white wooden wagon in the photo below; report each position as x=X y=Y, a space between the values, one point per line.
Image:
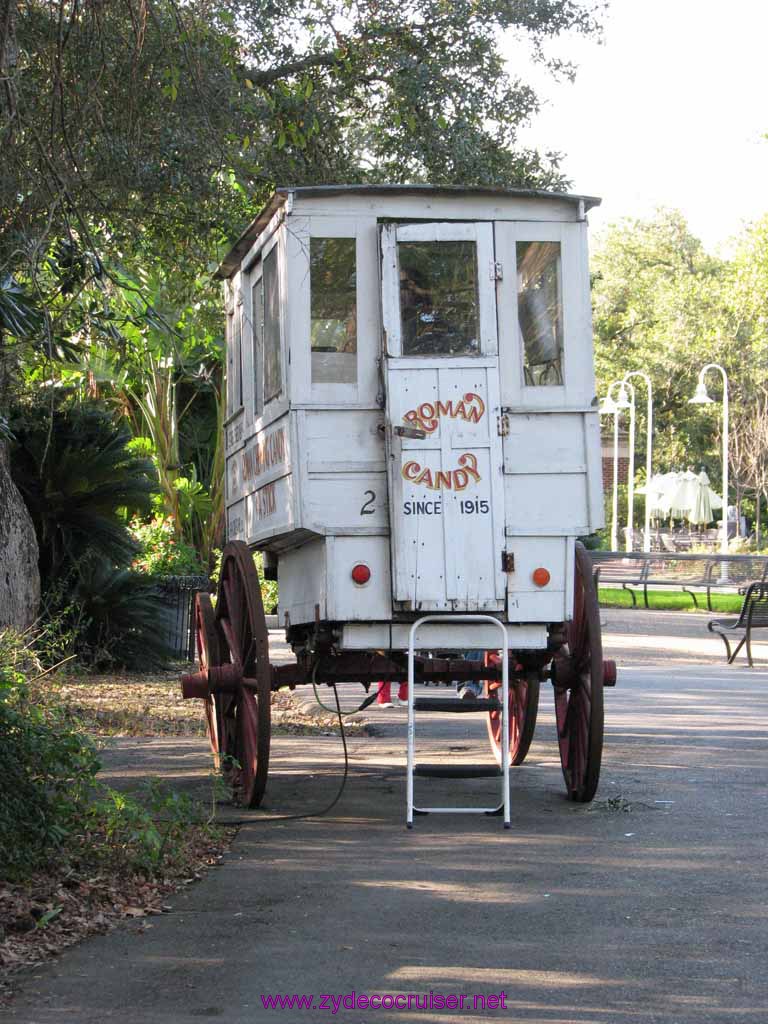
x=412 y=441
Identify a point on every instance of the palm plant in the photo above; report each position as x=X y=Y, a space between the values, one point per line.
x=119 y=617
x=165 y=378
x=79 y=480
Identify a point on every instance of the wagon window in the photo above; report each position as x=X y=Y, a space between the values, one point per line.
x=257 y=313
x=540 y=311
x=228 y=348
x=333 y=290
x=439 y=304
x=234 y=359
x=272 y=365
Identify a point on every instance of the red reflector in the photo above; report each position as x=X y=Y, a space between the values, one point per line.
x=541 y=577
x=361 y=574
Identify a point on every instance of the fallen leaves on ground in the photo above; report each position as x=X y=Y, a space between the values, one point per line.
x=134 y=704
x=131 y=704
x=294 y=716
x=51 y=910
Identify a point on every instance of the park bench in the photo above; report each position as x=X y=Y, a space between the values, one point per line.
x=643 y=570
x=753 y=615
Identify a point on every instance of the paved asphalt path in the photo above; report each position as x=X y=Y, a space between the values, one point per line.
x=650 y=905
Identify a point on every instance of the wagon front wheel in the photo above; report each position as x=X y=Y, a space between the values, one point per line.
x=240 y=616
x=578 y=681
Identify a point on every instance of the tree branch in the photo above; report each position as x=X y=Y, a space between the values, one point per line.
x=293 y=67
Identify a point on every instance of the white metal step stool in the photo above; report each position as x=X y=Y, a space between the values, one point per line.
x=455 y=706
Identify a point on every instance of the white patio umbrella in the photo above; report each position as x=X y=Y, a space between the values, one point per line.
x=685 y=495
x=660 y=490
x=706 y=501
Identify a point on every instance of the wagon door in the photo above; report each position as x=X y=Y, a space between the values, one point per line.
x=442 y=391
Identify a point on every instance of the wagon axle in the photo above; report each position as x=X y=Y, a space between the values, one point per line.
x=237 y=706
x=565 y=674
x=213 y=680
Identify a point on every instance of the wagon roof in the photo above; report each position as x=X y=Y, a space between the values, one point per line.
x=280 y=196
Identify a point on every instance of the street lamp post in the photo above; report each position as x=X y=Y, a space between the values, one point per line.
x=702 y=398
x=611 y=407
x=629 y=537
x=648 y=456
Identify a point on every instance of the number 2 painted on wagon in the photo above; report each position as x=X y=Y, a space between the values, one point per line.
x=368 y=509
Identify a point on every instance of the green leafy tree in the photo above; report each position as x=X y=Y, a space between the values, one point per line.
x=154 y=124
x=663 y=305
x=165 y=376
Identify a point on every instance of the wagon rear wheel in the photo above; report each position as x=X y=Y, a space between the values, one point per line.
x=521 y=717
x=209 y=656
x=579 y=688
x=240 y=616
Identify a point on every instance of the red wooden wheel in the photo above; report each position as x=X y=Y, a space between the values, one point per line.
x=522 y=712
x=240 y=616
x=579 y=688
x=209 y=656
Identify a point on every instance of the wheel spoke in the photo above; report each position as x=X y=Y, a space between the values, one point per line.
x=234 y=612
x=232 y=640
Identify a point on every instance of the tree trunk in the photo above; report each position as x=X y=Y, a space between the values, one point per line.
x=19 y=576
x=758 y=528
x=9 y=56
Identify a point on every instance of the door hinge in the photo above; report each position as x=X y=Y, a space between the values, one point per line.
x=507 y=561
x=502 y=425
x=497 y=272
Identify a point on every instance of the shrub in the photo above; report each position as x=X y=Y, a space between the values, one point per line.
x=161 y=552
x=48 y=768
x=81 y=476
x=269 y=589
x=54 y=814
x=141 y=835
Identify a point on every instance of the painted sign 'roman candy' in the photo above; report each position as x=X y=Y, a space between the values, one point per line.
x=263 y=454
x=427 y=416
x=450 y=480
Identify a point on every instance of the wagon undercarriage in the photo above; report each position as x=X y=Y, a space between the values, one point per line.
x=235 y=681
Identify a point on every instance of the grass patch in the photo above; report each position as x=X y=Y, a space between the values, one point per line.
x=670 y=600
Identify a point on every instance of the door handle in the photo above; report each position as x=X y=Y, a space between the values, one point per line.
x=412 y=432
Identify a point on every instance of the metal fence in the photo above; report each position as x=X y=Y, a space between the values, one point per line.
x=179 y=595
